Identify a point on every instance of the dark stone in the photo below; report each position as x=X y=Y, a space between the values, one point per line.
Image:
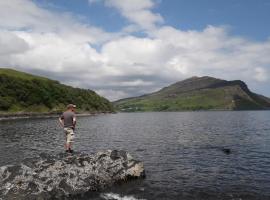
x=226 y=150
x=65 y=175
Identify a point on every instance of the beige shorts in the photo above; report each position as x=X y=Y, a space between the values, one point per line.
x=69 y=134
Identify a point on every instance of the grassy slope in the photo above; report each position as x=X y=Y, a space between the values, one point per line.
x=230 y=97
x=23 y=92
x=203 y=100
x=22 y=75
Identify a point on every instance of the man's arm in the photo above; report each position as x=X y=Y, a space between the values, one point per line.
x=61 y=121
x=74 y=121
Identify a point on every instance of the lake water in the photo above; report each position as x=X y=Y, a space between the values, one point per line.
x=181 y=151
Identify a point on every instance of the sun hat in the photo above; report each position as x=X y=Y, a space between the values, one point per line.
x=71 y=106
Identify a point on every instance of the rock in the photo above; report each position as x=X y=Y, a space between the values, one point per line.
x=226 y=150
x=65 y=175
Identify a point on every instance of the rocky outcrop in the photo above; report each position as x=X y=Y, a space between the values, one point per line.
x=66 y=175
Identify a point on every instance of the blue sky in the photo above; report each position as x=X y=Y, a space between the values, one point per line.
x=123 y=48
x=248 y=18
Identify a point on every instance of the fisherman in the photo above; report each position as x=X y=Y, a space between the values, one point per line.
x=68 y=122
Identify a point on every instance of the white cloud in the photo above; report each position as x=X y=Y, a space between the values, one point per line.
x=261 y=74
x=136 y=11
x=10 y=44
x=26 y=16
x=52 y=52
x=60 y=46
x=112 y=94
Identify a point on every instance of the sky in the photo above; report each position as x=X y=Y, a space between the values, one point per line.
x=125 y=48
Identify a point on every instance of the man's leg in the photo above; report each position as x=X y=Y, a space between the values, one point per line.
x=68 y=145
x=69 y=140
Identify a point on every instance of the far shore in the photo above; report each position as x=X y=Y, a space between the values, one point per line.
x=25 y=115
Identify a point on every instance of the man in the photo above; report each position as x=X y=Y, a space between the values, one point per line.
x=68 y=122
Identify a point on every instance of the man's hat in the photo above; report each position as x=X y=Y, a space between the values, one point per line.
x=69 y=106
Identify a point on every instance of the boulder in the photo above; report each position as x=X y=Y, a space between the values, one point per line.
x=65 y=175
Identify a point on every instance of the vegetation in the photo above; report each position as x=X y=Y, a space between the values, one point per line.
x=22 y=92
x=196 y=93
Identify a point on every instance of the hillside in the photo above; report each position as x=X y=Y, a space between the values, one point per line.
x=197 y=93
x=23 y=92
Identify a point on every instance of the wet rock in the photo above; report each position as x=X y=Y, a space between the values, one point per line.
x=66 y=175
x=226 y=151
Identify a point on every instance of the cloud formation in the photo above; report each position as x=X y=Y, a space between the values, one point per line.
x=121 y=64
x=137 y=12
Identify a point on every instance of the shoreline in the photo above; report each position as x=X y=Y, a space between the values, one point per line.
x=212 y=110
x=12 y=116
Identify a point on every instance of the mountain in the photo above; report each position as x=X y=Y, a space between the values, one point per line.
x=197 y=93
x=23 y=92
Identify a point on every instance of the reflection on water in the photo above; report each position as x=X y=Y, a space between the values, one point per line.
x=182 y=151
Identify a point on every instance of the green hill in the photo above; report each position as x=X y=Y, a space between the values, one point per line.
x=23 y=92
x=197 y=93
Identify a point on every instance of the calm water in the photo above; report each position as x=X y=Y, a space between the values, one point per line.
x=181 y=151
